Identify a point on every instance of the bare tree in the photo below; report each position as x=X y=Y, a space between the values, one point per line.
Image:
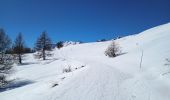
x=18 y=47
x=5 y=59
x=113 y=50
x=42 y=45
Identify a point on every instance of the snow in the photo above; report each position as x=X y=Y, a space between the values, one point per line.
x=95 y=76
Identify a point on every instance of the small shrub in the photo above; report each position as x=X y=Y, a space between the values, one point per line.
x=113 y=50
x=67 y=70
x=63 y=78
x=167 y=62
x=54 y=85
x=5 y=69
x=3 y=81
x=60 y=44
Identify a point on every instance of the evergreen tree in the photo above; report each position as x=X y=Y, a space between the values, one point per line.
x=42 y=45
x=18 y=47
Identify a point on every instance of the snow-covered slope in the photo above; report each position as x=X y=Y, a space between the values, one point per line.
x=95 y=76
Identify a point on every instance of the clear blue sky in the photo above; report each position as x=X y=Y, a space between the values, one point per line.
x=85 y=20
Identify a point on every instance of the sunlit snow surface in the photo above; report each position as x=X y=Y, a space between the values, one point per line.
x=94 y=76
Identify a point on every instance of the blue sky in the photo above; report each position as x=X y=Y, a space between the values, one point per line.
x=84 y=20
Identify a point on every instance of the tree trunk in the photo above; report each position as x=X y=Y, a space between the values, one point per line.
x=43 y=54
x=20 y=60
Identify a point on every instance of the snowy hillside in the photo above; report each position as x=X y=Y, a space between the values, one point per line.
x=94 y=76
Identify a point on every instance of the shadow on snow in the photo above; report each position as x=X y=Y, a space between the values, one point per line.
x=15 y=84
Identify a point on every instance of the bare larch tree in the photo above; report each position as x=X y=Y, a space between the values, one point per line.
x=42 y=45
x=18 y=47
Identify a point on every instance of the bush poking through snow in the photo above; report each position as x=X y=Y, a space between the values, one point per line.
x=167 y=62
x=3 y=81
x=5 y=69
x=67 y=70
x=82 y=66
x=54 y=85
x=113 y=50
x=60 y=44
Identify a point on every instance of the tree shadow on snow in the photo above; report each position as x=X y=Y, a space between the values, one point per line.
x=48 y=61
x=15 y=84
x=122 y=53
x=27 y=63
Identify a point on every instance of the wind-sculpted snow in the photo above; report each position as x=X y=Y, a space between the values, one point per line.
x=94 y=76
